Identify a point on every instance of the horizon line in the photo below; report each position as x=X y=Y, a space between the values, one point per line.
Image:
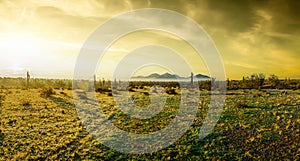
x=24 y=77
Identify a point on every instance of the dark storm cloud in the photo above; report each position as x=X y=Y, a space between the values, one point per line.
x=234 y=15
x=253 y=34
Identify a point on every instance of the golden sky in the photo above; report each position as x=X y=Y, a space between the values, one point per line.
x=45 y=36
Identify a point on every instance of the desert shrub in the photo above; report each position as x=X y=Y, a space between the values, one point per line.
x=103 y=89
x=109 y=94
x=2 y=97
x=146 y=93
x=257 y=94
x=1 y=137
x=130 y=89
x=47 y=91
x=240 y=104
x=284 y=92
x=171 y=91
x=63 y=93
x=26 y=102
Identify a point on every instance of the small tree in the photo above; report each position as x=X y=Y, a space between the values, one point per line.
x=274 y=80
x=261 y=78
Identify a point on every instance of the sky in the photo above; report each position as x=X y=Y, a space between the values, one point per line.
x=45 y=36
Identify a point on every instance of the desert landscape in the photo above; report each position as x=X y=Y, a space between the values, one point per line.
x=149 y=80
x=41 y=123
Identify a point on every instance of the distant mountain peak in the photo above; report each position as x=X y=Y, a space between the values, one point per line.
x=201 y=76
x=171 y=76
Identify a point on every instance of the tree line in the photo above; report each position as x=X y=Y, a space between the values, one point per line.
x=259 y=81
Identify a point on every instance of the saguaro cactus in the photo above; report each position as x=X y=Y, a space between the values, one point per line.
x=95 y=82
x=115 y=84
x=103 y=82
x=192 y=78
x=27 y=79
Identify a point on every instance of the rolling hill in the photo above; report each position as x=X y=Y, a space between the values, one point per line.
x=169 y=76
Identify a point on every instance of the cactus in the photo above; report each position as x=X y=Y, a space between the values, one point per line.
x=103 y=82
x=95 y=82
x=27 y=79
x=192 y=78
x=115 y=84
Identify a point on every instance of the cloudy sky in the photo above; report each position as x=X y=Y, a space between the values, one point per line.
x=45 y=36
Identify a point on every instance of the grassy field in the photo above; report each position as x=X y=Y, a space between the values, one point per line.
x=258 y=125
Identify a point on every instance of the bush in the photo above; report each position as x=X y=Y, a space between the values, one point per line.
x=240 y=104
x=171 y=91
x=47 y=91
x=1 y=137
x=63 y=93
x=103 y=89
x=26 y=102
x=2 y=97
x=109 y=94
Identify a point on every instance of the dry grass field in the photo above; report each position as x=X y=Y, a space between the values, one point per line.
x=261 y=125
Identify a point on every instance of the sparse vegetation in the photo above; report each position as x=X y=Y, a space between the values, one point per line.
x=258 y=81
x=256 y=124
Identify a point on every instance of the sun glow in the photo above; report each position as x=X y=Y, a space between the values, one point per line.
x=19 y=48
x=19 y=43
x=16 y=68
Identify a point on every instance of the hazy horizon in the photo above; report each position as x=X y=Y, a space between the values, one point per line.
x=100 y=77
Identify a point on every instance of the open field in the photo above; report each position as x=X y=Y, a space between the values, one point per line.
x=254 y=125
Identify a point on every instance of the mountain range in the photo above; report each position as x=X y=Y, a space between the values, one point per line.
x=170 y=76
